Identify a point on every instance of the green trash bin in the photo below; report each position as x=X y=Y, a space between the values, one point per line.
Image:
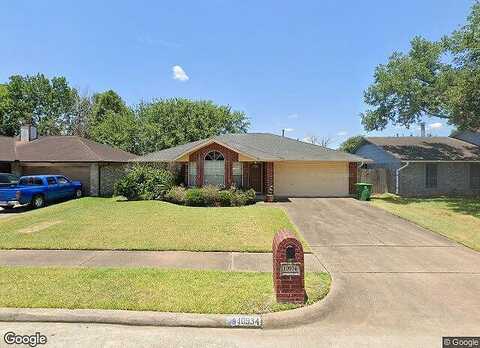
x=364 y=191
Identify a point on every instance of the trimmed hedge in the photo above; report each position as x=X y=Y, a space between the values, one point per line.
x=210 y=196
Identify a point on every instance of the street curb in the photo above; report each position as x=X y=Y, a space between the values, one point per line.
x=277 y=320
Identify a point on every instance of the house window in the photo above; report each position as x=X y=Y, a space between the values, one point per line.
x=214 y=169
x=475 y=175
x=237 y=174
x=431 y=175
x=192 y=173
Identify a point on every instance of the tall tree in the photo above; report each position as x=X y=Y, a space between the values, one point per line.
x=169 y=122
x=439 y=79
x=36 y=100
x=104 y=103
x=119 y=130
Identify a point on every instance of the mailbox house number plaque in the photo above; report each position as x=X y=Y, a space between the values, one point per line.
x=289 y=269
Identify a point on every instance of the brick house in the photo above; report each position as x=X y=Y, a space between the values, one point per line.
x=427 y=166
x=270 y=164
x=96 y=165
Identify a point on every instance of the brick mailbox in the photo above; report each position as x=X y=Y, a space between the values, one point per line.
x=288 y=268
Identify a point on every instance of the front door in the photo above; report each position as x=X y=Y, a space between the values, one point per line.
x=256 y=177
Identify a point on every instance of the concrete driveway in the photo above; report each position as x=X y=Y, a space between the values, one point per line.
x=392 y=276
x=394 y=285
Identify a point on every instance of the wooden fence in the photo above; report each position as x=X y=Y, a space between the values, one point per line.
x=378 y=177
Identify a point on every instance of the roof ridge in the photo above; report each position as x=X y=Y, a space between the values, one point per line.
x=248 y=146
x=81 y=139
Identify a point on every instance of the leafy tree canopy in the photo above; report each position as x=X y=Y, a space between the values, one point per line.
x=352 y=144
x=104 y=103
x=56 y=108
x=433 y=79
x=38 y=100
x=169 y=122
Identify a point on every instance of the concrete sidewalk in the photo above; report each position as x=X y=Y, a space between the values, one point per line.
x=225 y=261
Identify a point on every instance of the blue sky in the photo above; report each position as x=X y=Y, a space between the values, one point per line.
x=301 y=65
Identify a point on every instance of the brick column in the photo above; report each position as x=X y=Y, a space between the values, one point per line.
x=246 y=175
x=268 y=181
x=228 y=170
x=199 y=160
x=352 y=177
x=94 y=179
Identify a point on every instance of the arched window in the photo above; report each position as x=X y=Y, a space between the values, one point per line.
x=214 y=156
x=214 y=169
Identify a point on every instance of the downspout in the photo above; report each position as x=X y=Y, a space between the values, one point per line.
x=397 y=188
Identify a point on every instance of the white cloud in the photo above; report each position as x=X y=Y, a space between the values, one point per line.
x=342 y=133
x=288 y=129
x=436 y=125
x=293 y=116
x=179 y=73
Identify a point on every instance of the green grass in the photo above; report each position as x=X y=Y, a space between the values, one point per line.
x=455 y=218
x=107 y=224
x=148 y=289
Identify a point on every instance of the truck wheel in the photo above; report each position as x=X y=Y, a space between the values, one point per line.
x=38 y=201
x=78 y=193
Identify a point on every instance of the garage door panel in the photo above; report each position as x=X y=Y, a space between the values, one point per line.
x=78 y=173
x=311 y=179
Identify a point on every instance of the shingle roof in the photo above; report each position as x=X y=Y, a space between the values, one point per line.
x=261 y=147
x=61 y=149
x=7 y=149
x=427 y=148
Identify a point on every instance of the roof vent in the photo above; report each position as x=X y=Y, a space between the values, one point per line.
x=28 y=133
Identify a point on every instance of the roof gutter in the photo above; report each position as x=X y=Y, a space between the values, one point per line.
x=397 y=177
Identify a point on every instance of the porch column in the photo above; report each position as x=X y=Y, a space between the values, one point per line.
x=268 y=181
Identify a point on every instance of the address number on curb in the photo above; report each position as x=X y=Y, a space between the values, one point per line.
x=245 y=321
x=289 y=269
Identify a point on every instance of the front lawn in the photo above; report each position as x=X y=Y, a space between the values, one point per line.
x=107 y=224
x=455 y=218
x=148 y=289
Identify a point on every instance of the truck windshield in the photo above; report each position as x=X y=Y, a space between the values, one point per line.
x=30 y=181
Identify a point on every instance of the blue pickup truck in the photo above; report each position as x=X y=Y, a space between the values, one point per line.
x=39 y=190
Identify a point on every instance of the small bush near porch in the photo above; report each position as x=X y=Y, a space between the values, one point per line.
x=108 y=224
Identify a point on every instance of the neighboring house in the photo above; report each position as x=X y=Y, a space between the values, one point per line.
x=425 y=166
x=270 y=164
x=97 y=166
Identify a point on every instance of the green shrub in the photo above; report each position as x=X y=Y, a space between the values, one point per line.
x=144 y=182
x=176 y=195
x=194 y=197
x=225 y=198
x=251 y=196
x=211 y=195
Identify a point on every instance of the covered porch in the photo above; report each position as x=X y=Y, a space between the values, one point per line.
x=218 y=165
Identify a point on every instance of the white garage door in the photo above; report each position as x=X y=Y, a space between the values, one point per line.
x=311 y=179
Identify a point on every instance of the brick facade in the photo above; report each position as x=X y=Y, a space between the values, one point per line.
x=246 y=175
x=199 y=157
x=268 y=183
x=288 y=288
x=352 y=177
x=453 y=179
x=109 y=175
